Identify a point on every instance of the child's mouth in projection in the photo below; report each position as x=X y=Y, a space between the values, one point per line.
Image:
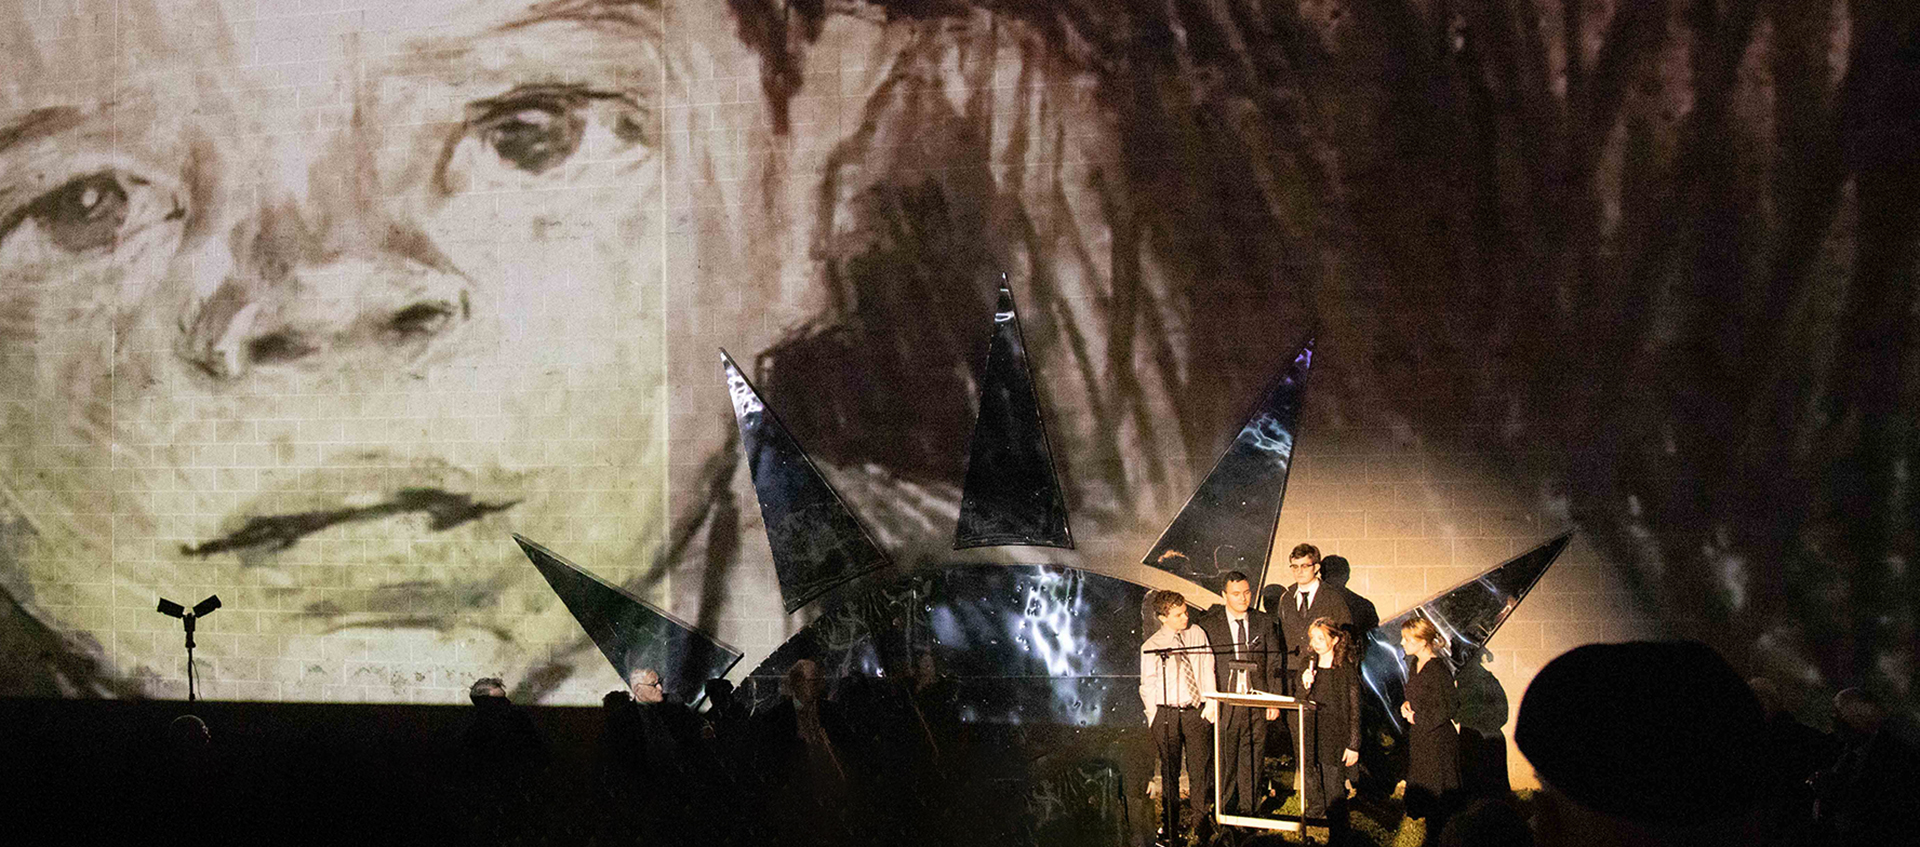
x=273 y=533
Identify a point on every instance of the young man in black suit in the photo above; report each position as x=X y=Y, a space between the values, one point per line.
x=1246 y=640
x=1307 y=600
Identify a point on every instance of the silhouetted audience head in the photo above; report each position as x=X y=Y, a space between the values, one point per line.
x=1856 y=716
x=1642 y=743
x=646 y=688
x=719 y=693
x=1768 y=693
x=188 y=734
x=487 y=689
x=1487 y=823
x=500 y=734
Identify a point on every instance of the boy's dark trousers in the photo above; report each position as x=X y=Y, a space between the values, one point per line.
x=1176 y=728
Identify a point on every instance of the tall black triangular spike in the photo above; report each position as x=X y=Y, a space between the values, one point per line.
x=631 y=632
x=1012 y=496
x=1229 y=522
x=1467 y=615
x=816 y=541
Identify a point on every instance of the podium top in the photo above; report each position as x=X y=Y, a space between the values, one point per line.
x=1257 y=698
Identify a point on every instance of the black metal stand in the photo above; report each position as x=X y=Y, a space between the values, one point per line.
x=192 y=686
x=1168 y=793
x=1170 y=788
x=187 y=617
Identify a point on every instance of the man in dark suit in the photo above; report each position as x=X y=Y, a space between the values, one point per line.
x=1246 y=651
x=1307 y=600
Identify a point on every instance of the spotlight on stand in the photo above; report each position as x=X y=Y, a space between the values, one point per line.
x=187 y=617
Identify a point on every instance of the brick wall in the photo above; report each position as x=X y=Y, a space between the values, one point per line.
x=920 y=159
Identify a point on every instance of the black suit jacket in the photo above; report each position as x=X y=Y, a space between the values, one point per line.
x=1263 y=648
x=1329 y=601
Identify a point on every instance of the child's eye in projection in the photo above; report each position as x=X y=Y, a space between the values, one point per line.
x=93 y=212
x=535 y=128
x=532 y=137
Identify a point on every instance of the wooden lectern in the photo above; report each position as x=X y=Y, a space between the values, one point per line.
x=1289 y=823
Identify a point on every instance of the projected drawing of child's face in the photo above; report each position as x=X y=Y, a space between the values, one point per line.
x=312 y=313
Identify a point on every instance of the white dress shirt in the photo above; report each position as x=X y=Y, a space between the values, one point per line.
x=1177 y=692
x=1305 y=599
x=1240 y=632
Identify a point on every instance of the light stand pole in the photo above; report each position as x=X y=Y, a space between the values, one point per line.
x=187 y=617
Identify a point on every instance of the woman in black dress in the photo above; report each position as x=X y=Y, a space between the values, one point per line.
x=1433 y=745
x=1332 y=683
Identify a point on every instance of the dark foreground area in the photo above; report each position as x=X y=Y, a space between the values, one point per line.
x=114 y=771
x=874 y=770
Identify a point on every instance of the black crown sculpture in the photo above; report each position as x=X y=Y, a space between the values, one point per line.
x=1040 y=642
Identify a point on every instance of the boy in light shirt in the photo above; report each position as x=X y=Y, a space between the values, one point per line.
x=1171 y=687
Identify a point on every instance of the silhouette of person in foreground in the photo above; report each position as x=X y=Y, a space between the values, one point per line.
x=1866 y=797
x=1643 y=743
x=656 y=769
x=803 y=763
x=1792 y=754
x=504 y=761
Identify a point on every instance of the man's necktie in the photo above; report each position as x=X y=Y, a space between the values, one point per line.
x=1193 y=683
x=1239 y=638
x=1303 y=602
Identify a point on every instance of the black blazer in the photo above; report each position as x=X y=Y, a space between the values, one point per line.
x=1329 y=601
x=1335 y=722
x=1263 y=648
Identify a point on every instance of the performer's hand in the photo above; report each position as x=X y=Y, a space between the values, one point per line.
x=1350 y=757
x=1211 y=711
x=1406 y=711
x=1306 y=677
x=1273 y=714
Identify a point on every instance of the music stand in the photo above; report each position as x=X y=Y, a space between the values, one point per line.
x=1261 y=700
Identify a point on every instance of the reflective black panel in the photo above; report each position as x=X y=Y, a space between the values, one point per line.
x=1081 y=805
x=816 y=542
x=1012 y=495
x=1467 y=615
x=1229 y=522
x=630 y=631
x=1017 y=644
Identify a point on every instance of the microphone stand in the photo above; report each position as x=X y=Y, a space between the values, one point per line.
x=1170 y=789
x=187 y=617
x=187 y=621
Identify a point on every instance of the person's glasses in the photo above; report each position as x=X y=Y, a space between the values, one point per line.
x=1305 y=567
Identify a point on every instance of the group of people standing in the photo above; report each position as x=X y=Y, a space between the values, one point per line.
x=1304 y=644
